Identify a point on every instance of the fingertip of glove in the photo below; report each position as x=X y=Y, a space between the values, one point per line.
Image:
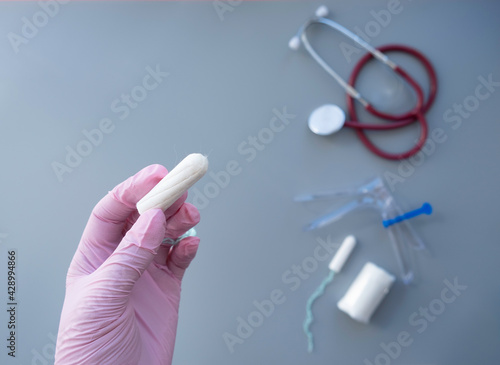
x=149 y=229
x=193 y=213
x=135 y=187
x=182 y=255
x=189 y=247
x=152 y=218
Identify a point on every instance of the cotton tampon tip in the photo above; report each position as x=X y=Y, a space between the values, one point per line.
x=175 y=183
x=342 y=254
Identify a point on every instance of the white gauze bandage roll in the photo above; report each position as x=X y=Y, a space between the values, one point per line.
x=177 y=181
x=366 y=292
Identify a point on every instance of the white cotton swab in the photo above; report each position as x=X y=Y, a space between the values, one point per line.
x=177 y=181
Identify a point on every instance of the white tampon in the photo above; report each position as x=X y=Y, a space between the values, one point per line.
x=366 y=292
x=335 y=266
x=177 y=181
x=342 y=254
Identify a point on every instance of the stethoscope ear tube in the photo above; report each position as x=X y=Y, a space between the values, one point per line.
x=424 y=131
x=396 y=121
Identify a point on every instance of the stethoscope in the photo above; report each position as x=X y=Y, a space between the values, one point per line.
x=330 y=118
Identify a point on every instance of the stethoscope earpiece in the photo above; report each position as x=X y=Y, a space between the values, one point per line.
x=294 y=43
x=322 y=11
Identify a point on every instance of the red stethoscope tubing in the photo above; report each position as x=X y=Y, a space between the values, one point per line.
x=396 y=121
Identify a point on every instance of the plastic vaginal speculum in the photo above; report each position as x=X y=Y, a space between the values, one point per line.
x=373 y=194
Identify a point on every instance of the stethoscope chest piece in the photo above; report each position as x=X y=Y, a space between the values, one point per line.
x=326 y=120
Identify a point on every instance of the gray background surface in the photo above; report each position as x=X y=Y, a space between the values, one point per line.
x=227 y=74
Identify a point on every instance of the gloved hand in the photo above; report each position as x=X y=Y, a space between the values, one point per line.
x=123 y=287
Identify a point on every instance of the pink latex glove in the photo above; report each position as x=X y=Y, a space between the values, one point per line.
x=123 y=287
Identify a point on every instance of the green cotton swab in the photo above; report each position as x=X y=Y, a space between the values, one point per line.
x=335 y=266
